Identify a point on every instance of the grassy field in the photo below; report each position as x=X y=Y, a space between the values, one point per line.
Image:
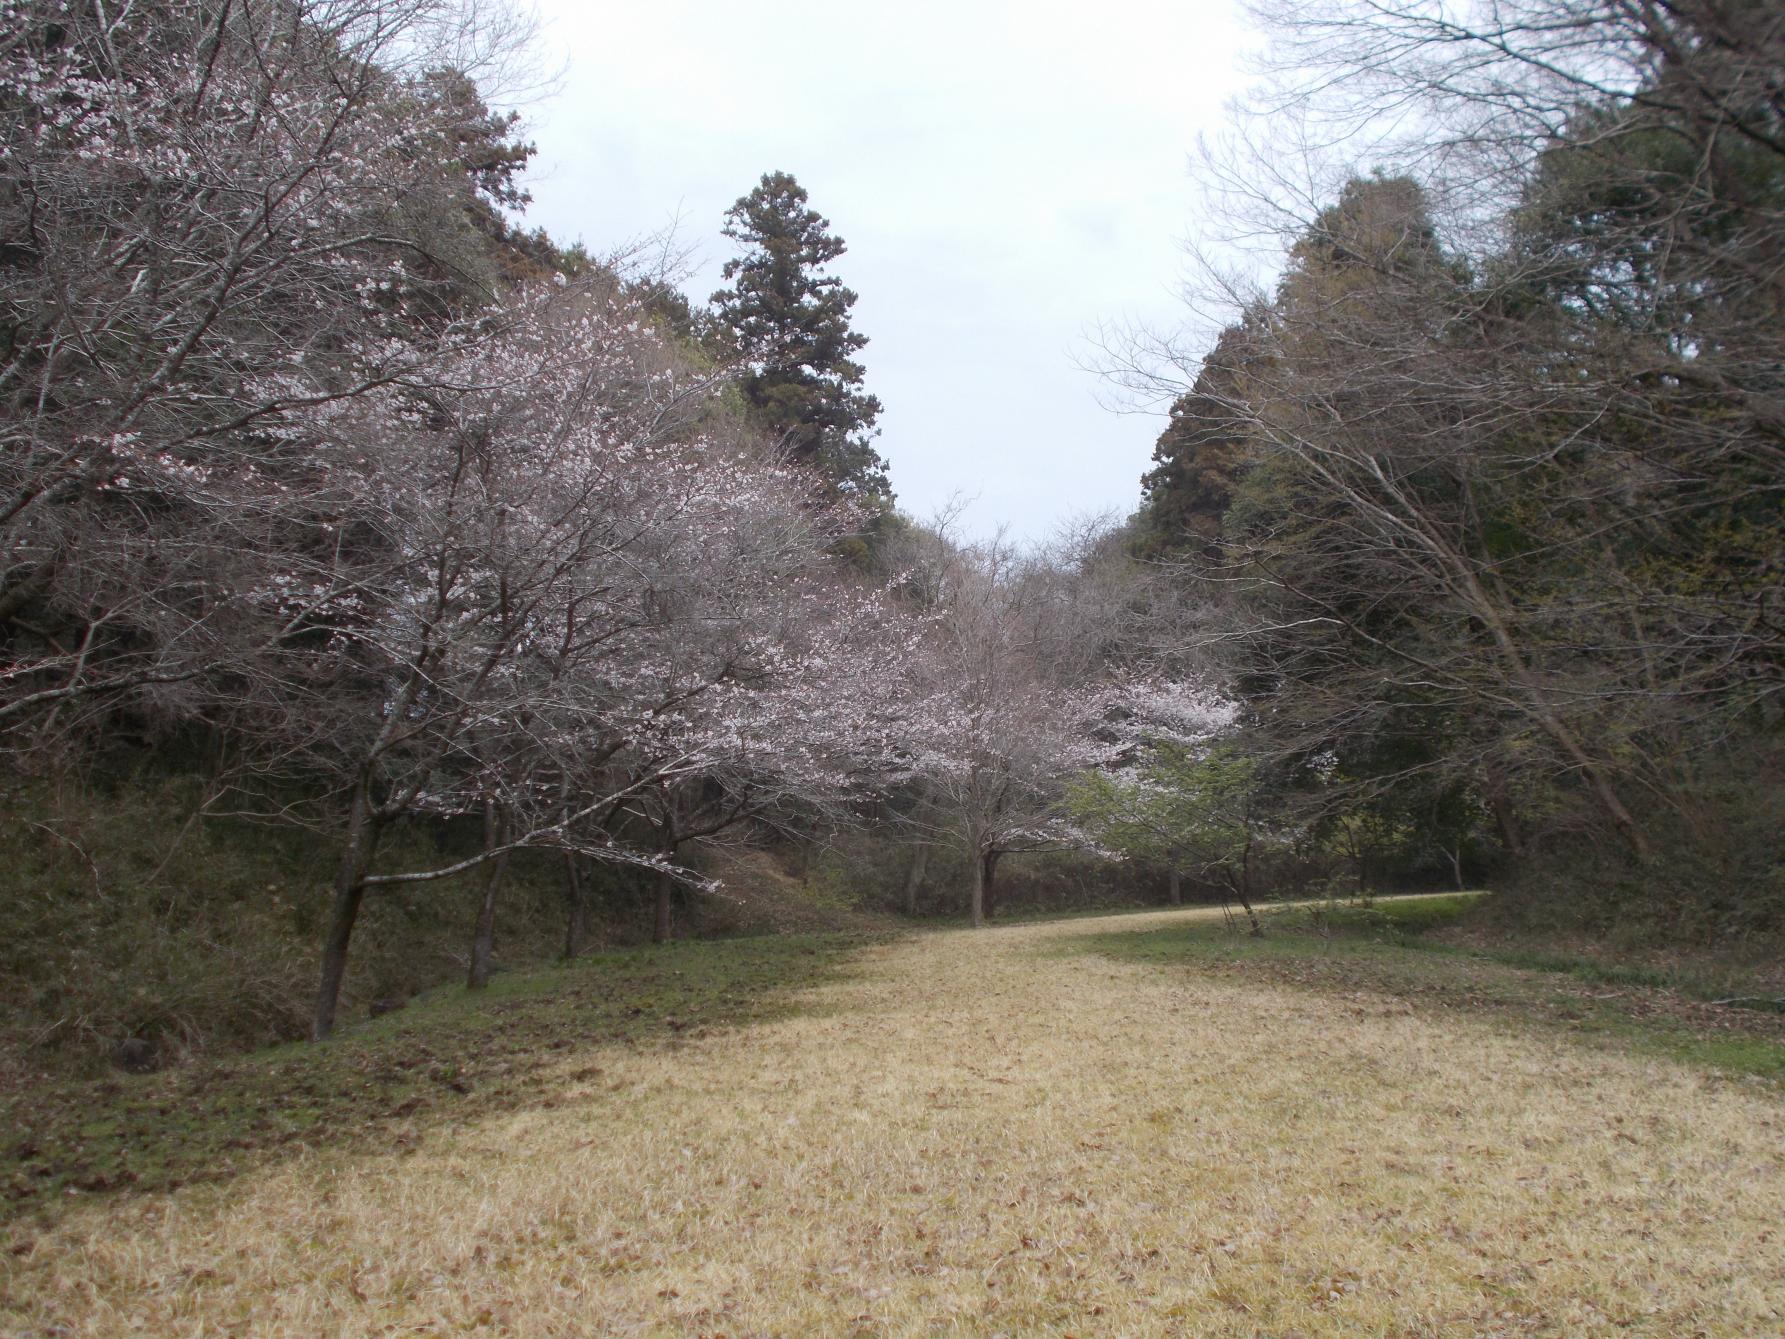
x=448 y=1059
x=1398 y=947
x=1141 y=1125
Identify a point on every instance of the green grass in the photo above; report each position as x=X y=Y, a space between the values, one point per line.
x=1408 y=921
x=451 y=1056
x=1402 y=916
x=1386 y=948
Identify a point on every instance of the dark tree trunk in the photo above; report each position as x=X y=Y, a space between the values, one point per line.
x=363 y=829
x=666 y=887
x=1175 y=887
x=1505 y=816
x=1242 y=886
x=920 y=862
x=662 y=920
x=976 y=889
x=989 y=883
x=576 y=919
x=1251 y=915
x=483 y=942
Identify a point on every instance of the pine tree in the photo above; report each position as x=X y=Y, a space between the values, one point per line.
x=790 y=321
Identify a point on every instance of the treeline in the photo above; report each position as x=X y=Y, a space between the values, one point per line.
x=1485 y=491
x=318 y=468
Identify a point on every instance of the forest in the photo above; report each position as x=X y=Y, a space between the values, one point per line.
x=393 y=595
x=339 y=504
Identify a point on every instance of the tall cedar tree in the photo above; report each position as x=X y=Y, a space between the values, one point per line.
x=1200 y=458
x=790 y=320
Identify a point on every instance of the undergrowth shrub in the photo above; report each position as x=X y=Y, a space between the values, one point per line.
x=1721 y=887
x=125 y=923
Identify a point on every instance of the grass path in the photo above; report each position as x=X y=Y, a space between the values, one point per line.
x=979 y=1134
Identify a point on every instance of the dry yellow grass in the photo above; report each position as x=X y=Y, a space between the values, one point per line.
x=970 y=1137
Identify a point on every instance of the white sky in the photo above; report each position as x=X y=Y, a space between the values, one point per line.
x=1006 y=176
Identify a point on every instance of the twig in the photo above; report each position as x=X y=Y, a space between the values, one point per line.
x=78 y=849
x=1769 y=1000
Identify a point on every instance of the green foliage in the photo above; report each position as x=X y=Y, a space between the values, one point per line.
x=1180 y=809
x=789 y=319
x=1200 y=458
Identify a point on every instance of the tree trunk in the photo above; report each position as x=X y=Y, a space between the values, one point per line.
x=363 y=829
x=1456 y=865
x=576 y=919
x=920 y=862
x=989 y=891
x=666 y=887
x=976 y=890
x=483 y=942
x=1505 y=817
x=1251 y=915
x=1589 y=768
x=1243 y=887
x=1175 y=886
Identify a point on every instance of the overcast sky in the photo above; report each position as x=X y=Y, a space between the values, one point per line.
x=1006 y=177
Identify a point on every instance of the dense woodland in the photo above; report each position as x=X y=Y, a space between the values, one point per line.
x=343 y=515
x=1489 y=481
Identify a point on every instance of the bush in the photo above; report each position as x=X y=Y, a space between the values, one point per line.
x=1724 y=893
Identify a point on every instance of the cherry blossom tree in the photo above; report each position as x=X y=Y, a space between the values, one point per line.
x=573 y=595
x=216 y=217
x=1186 y=806
x=811 y=721
x=496 y=623
x=1035 y=678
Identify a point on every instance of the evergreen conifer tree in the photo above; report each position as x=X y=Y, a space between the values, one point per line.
x=790 y=321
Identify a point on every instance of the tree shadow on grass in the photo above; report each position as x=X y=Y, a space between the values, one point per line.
x=450 y=1058
x=1383 y=950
